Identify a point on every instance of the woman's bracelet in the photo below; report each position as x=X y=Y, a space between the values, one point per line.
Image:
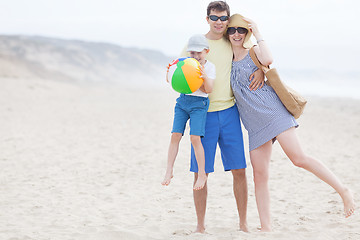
x=260 y=40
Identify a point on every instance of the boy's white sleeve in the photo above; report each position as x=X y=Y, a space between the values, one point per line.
x=210 y=70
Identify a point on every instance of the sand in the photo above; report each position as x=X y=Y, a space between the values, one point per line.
x=86 y=162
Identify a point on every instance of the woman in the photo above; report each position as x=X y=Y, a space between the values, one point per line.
x=266 y=119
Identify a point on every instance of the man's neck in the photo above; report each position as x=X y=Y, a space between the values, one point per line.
x=213 y=36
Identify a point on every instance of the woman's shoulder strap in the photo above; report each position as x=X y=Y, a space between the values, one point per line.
x=254 y=58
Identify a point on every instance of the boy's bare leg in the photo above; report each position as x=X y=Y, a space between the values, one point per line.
x=172 y=153
x=200 y=158
x=200 y=197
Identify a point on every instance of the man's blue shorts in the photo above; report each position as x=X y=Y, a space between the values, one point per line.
x=223 y=128
x=193 y=107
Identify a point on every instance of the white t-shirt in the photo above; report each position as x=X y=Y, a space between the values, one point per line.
x=210 y=71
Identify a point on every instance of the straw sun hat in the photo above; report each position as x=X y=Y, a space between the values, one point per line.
x=237 y=20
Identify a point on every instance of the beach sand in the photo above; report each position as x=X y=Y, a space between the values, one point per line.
x=85 y=162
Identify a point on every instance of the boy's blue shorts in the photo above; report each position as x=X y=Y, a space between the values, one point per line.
x=223 y=128
x=193 y=107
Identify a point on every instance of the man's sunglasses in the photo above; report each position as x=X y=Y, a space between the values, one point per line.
x=215 y=18
x=232 y=30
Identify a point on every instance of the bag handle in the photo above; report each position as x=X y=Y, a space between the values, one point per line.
x=265 y=69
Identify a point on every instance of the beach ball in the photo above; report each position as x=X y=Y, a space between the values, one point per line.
x=184 y=75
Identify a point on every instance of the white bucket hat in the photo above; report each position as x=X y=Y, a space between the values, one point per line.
x=197 y=43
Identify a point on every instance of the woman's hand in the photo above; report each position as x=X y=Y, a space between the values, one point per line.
x=262 y=52
x=252 y=26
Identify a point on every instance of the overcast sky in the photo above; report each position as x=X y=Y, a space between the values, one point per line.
x=166 y=25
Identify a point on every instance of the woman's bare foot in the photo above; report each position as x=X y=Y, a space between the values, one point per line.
x=349 y=204
x=200 y=182
x=167 y=178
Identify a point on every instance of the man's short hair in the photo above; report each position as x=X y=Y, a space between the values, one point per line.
x=218 y=6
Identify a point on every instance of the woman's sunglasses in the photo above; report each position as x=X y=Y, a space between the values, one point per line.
x=232 y=30
x=215 y=18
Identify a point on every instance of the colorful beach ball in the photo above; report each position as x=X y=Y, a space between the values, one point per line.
x=184 y=75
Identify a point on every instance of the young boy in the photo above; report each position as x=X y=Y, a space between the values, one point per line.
x=195 y=107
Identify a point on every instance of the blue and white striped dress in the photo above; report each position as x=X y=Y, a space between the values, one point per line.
x=261 y=111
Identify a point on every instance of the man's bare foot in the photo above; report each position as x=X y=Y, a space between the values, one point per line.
x=167 y=178
x=200 y=182
x=244 y=228
x=200 y=229
x=349 y=204
x=264 y=229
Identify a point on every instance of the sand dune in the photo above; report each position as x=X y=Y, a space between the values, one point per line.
x=86 y=162
x=76 y=60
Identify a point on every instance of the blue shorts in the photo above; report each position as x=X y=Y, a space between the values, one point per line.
x=193 y=107
x=223 y=128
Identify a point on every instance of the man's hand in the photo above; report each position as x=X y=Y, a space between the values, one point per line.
x=257 y=80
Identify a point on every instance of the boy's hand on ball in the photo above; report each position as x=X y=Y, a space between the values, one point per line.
x=167 y=76
x=202 y=71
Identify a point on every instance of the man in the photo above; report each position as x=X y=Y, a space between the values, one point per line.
x=222 y=124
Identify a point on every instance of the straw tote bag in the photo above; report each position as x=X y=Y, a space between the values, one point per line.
x=292 y=100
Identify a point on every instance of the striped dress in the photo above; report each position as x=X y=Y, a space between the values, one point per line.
x=261 y=111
